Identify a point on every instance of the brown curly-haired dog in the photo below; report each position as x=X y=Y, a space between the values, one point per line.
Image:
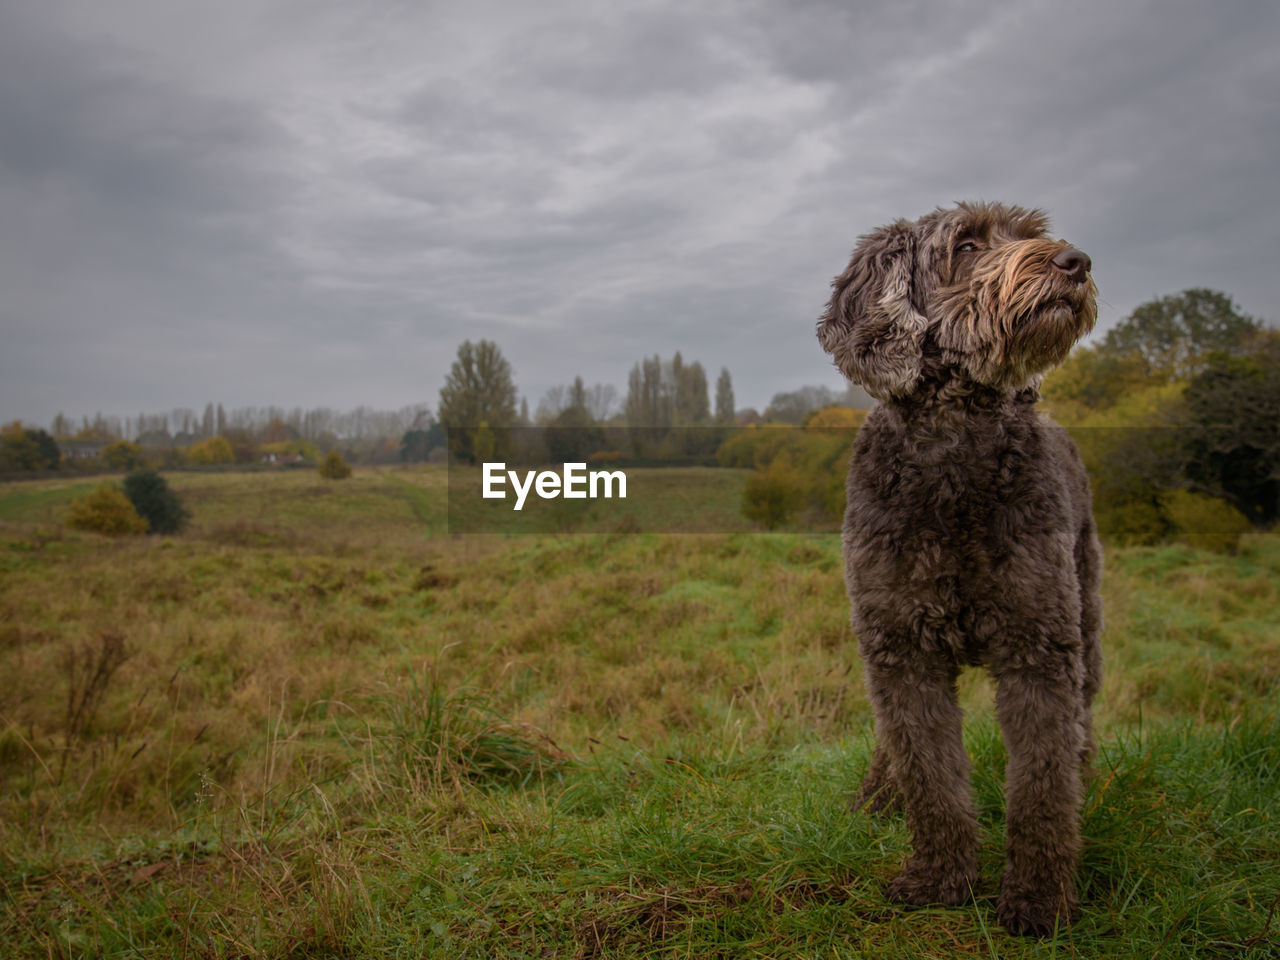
x=968 y=539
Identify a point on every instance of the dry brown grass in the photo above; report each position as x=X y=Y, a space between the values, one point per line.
x=321 y=709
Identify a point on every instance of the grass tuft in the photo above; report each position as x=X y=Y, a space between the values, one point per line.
x=437 y=738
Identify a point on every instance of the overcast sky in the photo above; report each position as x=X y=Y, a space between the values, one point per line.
x=307 y=204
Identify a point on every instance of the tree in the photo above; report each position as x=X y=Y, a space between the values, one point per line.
x=479 y=389
x=573 y=436
x=278 y=432
x=552 y=404
x=724 y=398
x=1171 y=337
x=212 y=450
x=692 y=406
x=666 y=395
x=155 y=502
x=122 y=455
x=597 y=401
x=601 y=400
x=1233 y=430
x=578 y=395
x=1092 y=378
x=649 y=396
x=795 y=406
x=483 y=443
x=333 y=467
x=23 y=448
x=418 y=443
x=1164 y=340
x=50 y=455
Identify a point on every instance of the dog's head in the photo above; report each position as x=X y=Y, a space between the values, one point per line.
x=977 y=292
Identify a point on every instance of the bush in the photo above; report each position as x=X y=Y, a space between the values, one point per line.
x=754 y=447
x=1204 y=521
x=836 y=418
x=817 y=458
x=122 y=455
x=155 y=502
x=1136 y=522
x=772 y=495
x=106 y=510
x=212 y=450
x=333 y=467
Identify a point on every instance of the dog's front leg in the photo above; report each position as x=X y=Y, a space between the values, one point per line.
x=918 y=726
x=1040 y=714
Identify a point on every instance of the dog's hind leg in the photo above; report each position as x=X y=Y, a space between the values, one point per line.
x=878 y=793
x=918 y=726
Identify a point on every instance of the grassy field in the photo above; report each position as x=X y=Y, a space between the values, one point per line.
x=318 y=725
x=672 y=500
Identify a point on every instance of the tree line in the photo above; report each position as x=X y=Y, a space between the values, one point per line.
x=667 y=411
x=478 y=408
x=662 y=395
x=1176 y=411
x=182 y=437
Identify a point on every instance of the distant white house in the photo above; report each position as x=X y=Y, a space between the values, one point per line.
x=82 y=449
x=282 y=459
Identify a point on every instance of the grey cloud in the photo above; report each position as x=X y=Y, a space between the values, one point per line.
x=316 y=204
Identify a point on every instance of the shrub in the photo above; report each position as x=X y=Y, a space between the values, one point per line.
x=817 y=459
x=754 y=447
x=106 y=510
x=773 y=494
x=212 y=450
x=122 y=455
x=838 y=418
x=1136 y=522
x=333 y=467
x=155 y=502
x=1204 y=521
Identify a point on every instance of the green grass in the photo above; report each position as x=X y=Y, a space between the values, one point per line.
x=673 y=500
x=340 y=731
x=45 y=500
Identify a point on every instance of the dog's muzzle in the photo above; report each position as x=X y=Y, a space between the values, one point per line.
x=1073 y=264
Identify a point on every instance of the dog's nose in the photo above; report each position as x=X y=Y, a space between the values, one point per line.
x=1074 y=263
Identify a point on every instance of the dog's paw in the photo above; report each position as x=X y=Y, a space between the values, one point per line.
x=919 y=885
x=1034 y=915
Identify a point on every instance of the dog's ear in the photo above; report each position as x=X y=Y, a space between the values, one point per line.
x=870 y=328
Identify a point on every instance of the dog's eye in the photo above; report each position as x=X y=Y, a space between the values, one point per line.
x=967 y=246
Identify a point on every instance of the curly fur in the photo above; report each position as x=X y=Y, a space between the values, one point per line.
x=969 y=540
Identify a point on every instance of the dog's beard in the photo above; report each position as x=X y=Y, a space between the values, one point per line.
x=1044 y=336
